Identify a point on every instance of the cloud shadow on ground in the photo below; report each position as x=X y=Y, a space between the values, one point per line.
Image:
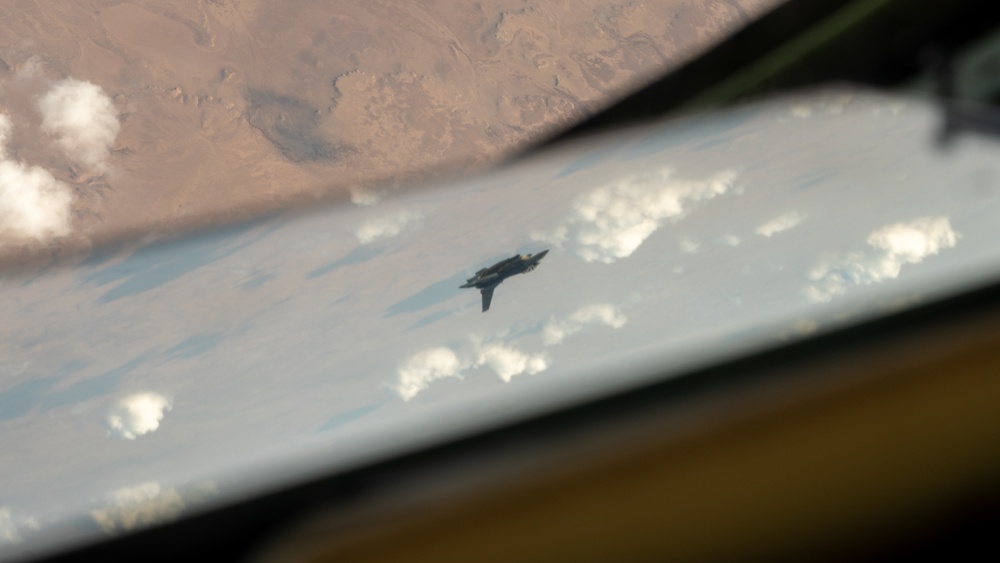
x=429 y=319
x=430 y=295
x=25 y=397
x=155 y=265
x=194 y=345
x=359 y=255
x=348 y=417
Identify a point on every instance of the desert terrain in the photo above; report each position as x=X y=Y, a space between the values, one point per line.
x=136 y=118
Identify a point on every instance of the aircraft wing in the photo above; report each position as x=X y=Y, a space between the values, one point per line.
x=487 y=297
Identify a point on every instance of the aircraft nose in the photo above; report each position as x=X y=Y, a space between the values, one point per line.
x=541 y=254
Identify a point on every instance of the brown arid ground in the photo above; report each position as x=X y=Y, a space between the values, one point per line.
x=232 y=108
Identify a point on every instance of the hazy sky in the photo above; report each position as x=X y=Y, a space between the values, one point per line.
x=131 y=376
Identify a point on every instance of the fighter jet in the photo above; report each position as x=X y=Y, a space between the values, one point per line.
x=487 y=279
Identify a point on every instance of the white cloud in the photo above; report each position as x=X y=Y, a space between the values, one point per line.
x=508 y=362
x=611 y=221
x=780 y=223
x=11 y=527
x=800 y=329
x=555 y=331
x=129 y=508
x=5 y=129
x=8 y=528
x=33 y=204
x=801 y=110
x=365 y=198
x=689 y=245
x=385 y=226
x=424 y=367
x=82 y=119
x=830 y=104
x=891 y=247
x=427 y=366
x=731 y=240
x=137 y=414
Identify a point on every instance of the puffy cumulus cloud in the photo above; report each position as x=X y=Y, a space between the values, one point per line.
x=891 y=247
x=8 y=528
x=611 y=221
x=730 y=240
x=82 y=119
x=780 y=223
x=5 y=129
x=83 y=123
x=11 y=527
x=146 y=504
x=137 y=414
x=799 y=329
x=689 y=245
x=555 y=331
x=365 y=198
x=910 y=243
x=801 y=110
x=508 y=362
x=829 y=104
x=385 y=226
x=427 y=366
x=33 y=204
x=424 y=367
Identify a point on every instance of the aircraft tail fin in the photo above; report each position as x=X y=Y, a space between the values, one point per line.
x=487 y=297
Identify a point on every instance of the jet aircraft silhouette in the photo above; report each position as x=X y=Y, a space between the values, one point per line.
x=487 y=279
